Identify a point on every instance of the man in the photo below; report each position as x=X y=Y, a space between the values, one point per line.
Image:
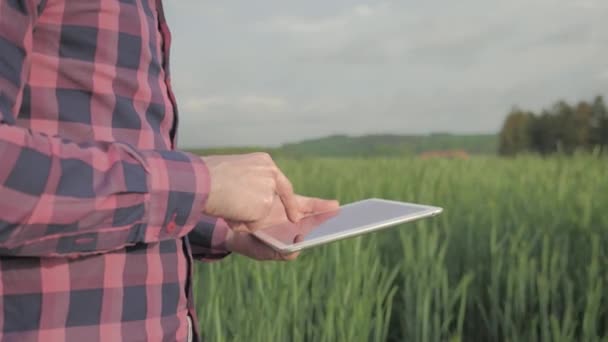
x=100 y=216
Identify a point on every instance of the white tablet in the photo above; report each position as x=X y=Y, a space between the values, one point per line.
x=349 y=220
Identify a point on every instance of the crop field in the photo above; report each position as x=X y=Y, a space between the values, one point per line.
x=519 y=254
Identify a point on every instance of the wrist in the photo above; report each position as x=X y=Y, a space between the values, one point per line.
x=229 y=237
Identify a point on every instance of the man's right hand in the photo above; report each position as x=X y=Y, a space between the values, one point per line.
x=243 y=188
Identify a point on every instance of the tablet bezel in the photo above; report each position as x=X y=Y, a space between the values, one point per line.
x=291 y=248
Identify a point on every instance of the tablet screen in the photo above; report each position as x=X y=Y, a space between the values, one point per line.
x=350 y=217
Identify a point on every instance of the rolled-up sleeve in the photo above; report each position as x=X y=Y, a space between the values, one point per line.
x=61 y=198
x=208 y=239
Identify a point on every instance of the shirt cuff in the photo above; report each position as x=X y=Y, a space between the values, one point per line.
x=178 y=188
x=208 y=239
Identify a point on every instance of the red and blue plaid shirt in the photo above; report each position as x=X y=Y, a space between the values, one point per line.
x=100 y=216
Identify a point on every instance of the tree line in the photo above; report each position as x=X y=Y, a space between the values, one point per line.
x=562 y=128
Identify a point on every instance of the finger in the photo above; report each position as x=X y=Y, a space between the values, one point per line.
x=321 y=205
x=305 y=204
x=252 y=247
x=311 y=205
x=285 y=192
x=264 y=195
x=289 y=257
x=237 y=226
x=271 y=254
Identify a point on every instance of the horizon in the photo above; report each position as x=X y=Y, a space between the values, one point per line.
x=352 y=136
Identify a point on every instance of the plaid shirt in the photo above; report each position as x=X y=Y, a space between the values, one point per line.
x=99 y=214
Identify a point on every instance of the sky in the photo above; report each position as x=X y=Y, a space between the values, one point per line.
x=274 y=71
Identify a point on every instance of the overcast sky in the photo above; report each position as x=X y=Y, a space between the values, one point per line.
x=273 y=71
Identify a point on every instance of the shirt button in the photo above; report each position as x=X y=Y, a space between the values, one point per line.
x=172 y=225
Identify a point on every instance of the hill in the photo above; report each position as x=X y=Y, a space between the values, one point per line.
x=383 y=145
x=392 y=145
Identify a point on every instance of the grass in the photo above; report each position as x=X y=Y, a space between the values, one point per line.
x=520 y=254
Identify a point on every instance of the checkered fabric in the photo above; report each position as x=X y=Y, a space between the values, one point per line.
x=100 y=216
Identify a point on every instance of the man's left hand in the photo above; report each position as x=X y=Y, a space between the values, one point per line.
x=240 y=241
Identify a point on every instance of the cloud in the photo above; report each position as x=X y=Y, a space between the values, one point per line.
x=358 y=34
x=197 y=105
x=446 y=36
x=589 y=4
x=390 y=33
x=330 y=24
x=277 y=71
x=246 y=103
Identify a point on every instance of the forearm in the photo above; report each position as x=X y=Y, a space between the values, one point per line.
x=59 y=198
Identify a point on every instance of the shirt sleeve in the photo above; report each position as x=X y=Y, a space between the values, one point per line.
x=59 y=198
x=208 y=239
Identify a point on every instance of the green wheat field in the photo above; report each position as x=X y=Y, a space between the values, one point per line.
x=519 y=254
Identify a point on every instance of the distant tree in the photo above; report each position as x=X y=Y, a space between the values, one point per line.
x=599 y=124
x=563 y=125
x=582 y=129
x=544 y=133
x=560 y=128
x=514 y=135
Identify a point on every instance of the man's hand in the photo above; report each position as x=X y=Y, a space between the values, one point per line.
x=240 y=241
x=243 y=188
x=246 y=244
